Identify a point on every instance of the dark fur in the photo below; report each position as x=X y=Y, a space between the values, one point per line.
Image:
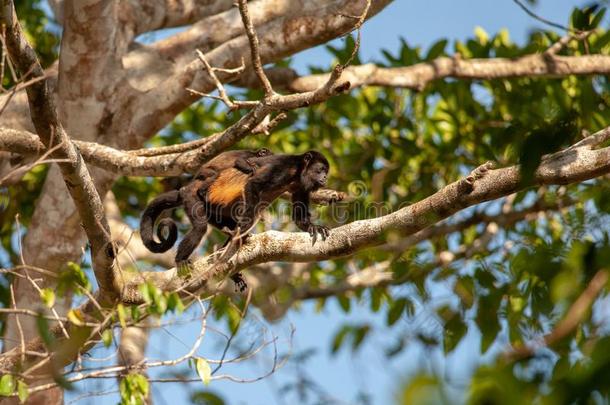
x=296 y=174
x=188 y=196
x=218 y=195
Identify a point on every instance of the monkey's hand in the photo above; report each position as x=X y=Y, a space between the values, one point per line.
x=314 y=230
x=184 y=268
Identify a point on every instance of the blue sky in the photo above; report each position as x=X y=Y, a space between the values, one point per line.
x=419 y=23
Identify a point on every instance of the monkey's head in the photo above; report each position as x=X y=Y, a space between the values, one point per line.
x=315 y=170
x=263 y=152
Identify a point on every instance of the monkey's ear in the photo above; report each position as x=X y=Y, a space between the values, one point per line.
x=307 y=157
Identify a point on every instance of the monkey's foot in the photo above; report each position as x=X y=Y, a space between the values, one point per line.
x=314 y=230
x=240 y=282
x=467 y=184
x=184 y=268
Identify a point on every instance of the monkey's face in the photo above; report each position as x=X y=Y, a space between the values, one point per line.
x=315 y=176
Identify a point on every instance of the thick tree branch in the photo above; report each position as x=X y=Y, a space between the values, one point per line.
x=504 y=220
x=568 y=166
x=140 y=16
x=277 y=39
x=52 y=134
x=215 y=30
x=574 y=164
x=129 y=163
x=150 y=15
x=418 y=76
x=90 y=55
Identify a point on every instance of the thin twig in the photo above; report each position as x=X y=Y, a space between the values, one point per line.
x=221 y=90
x=230 y=340
x=359 y=21
x=19 y=328
x=11 y=68
x=565 y=40
x=254 y=49
x=268 y=126
x=542 y=19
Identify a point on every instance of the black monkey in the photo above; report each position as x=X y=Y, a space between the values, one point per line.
x=232 y=189
x=189 y=197
x=276 y=174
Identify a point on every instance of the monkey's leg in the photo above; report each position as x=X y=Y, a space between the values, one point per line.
x=229 y=228
x=247 y=216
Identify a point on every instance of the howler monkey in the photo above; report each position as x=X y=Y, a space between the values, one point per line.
x=276 y=174
x=233 y=199
x=189 y=196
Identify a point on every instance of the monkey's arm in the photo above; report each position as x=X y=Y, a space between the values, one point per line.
x=302 y=217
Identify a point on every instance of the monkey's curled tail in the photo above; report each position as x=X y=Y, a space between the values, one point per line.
x=165 y=201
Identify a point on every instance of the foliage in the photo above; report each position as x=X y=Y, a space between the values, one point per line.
x=134 y=389
x=400 y=146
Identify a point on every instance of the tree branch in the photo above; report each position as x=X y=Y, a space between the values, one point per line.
x=568 y=166
x=418 y=76
x=571 y=165
x=568 y=324
x=52 y=134
x=150 y=15
x=277 y=39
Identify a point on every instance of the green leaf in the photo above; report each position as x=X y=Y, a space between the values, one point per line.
x=344 y=303
x=134 y=389
x=120 y=309
x=107 y=337
x=359 y=335
x=71 y=276
x=141 y=383
x=422 y=389
x=22 y=391
x=76 y=317
x=437 y=49
x=206 y=398
x=146 y=293
x=339 y=338
x=203 y=370
x=48 y=297
x=455 y=329
x=598 y=18
x=396 y=310
x=42 y=325
x=481 y=35
x=487 y=319
x=174 y=303
x=7 y=385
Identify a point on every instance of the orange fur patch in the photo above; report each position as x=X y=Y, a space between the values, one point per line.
x=228 y=187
